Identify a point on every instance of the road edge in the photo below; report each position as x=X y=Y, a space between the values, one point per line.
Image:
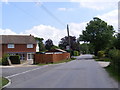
x=7 y=83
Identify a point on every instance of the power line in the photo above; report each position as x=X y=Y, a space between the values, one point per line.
x=36 y=18
x=52 y=15
x=24 y=11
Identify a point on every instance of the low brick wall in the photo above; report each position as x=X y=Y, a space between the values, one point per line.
x=49 y=58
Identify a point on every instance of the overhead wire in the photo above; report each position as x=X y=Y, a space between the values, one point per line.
x=36 y=18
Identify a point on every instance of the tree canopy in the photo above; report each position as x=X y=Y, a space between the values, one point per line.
x=40 y=43
x=74 y=44
x=48 y=44
x=98 y=33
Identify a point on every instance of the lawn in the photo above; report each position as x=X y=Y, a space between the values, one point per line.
x=3 y=81
x=105 y=59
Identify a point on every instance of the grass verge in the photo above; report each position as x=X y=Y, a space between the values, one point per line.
x=67 y=60
x=113 y=73
x=101 y=59
x=3 y=82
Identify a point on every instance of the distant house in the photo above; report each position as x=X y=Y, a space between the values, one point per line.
x=22 y=45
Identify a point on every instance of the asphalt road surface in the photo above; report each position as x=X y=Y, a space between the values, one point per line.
x=83 y=72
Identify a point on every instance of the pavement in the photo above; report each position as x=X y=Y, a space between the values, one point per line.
x=103 y=64
x=84 y=72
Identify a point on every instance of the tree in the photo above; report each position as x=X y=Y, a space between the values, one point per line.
x=84 y=48
x=117 y=41
x=74 y=43
x=54 y=47
x=40 y=43
x=49 y=44
x=98 y=33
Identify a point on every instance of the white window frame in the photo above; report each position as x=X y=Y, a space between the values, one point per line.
x=29 y=45
x=11 y=46
x=29 y=56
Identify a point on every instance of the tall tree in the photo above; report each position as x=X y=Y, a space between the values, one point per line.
x=97 y=33
x=73 y=43
x=117 y=41
x=40 y=43
x=49 y=44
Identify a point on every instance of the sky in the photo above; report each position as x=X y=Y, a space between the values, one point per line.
x=49 y=19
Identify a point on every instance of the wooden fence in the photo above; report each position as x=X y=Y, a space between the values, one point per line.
x=50 y=58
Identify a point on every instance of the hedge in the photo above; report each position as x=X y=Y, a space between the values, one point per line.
x=101 y=54
x=115 y=59
x=76 y=53
x=4 y=60
x=15 y=59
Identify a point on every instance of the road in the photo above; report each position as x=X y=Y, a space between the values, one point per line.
x=83 y=72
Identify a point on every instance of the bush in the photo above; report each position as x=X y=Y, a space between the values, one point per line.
x=101 y=54
x=76 y=53
x=15 y=59
x=4 y=60
x=115 y=58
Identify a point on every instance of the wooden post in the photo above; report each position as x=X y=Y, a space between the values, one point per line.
x=69 y=39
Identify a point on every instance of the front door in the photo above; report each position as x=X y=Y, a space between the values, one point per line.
x=29 y=56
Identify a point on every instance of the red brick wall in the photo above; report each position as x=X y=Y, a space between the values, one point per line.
x=18 y=48
x=48 y=58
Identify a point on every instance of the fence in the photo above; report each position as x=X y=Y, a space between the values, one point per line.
x=50 y=58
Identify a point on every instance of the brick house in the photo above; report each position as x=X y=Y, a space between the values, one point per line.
x=22 y=45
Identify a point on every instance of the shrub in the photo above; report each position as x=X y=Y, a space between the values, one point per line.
x=101 y=54
x=4 y=60
x=115 y=58
x=15 y=59
x=76 y=53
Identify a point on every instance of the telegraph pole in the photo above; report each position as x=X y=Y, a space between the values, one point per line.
x=69 y=38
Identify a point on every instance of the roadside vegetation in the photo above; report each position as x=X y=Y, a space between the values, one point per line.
x=14 y=59
x=103 y=41
x=3 y=82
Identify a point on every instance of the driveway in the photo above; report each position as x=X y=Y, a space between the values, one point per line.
x=83 y=72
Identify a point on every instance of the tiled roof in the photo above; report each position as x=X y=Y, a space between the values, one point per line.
x=56 y=50
x=17 y=39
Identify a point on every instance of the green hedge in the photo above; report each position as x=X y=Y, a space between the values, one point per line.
x=101 y=54
x=4 y=60
x=115 y=59
x=15 y=59
x=76 y=53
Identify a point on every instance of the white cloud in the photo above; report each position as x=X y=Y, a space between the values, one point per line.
x=76 y=28
x=47 y=32
x=111 y=18
x=65 y=9
x=7 y=32
x=97 y=4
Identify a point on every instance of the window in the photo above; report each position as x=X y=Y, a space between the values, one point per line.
x=29 y=45
x=11 y=46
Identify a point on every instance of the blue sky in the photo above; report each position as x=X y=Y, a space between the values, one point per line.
x=33 y=18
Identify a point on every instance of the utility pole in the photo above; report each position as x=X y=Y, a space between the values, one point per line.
x=69 y=38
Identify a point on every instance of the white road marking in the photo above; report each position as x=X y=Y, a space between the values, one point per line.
x=26 y=71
